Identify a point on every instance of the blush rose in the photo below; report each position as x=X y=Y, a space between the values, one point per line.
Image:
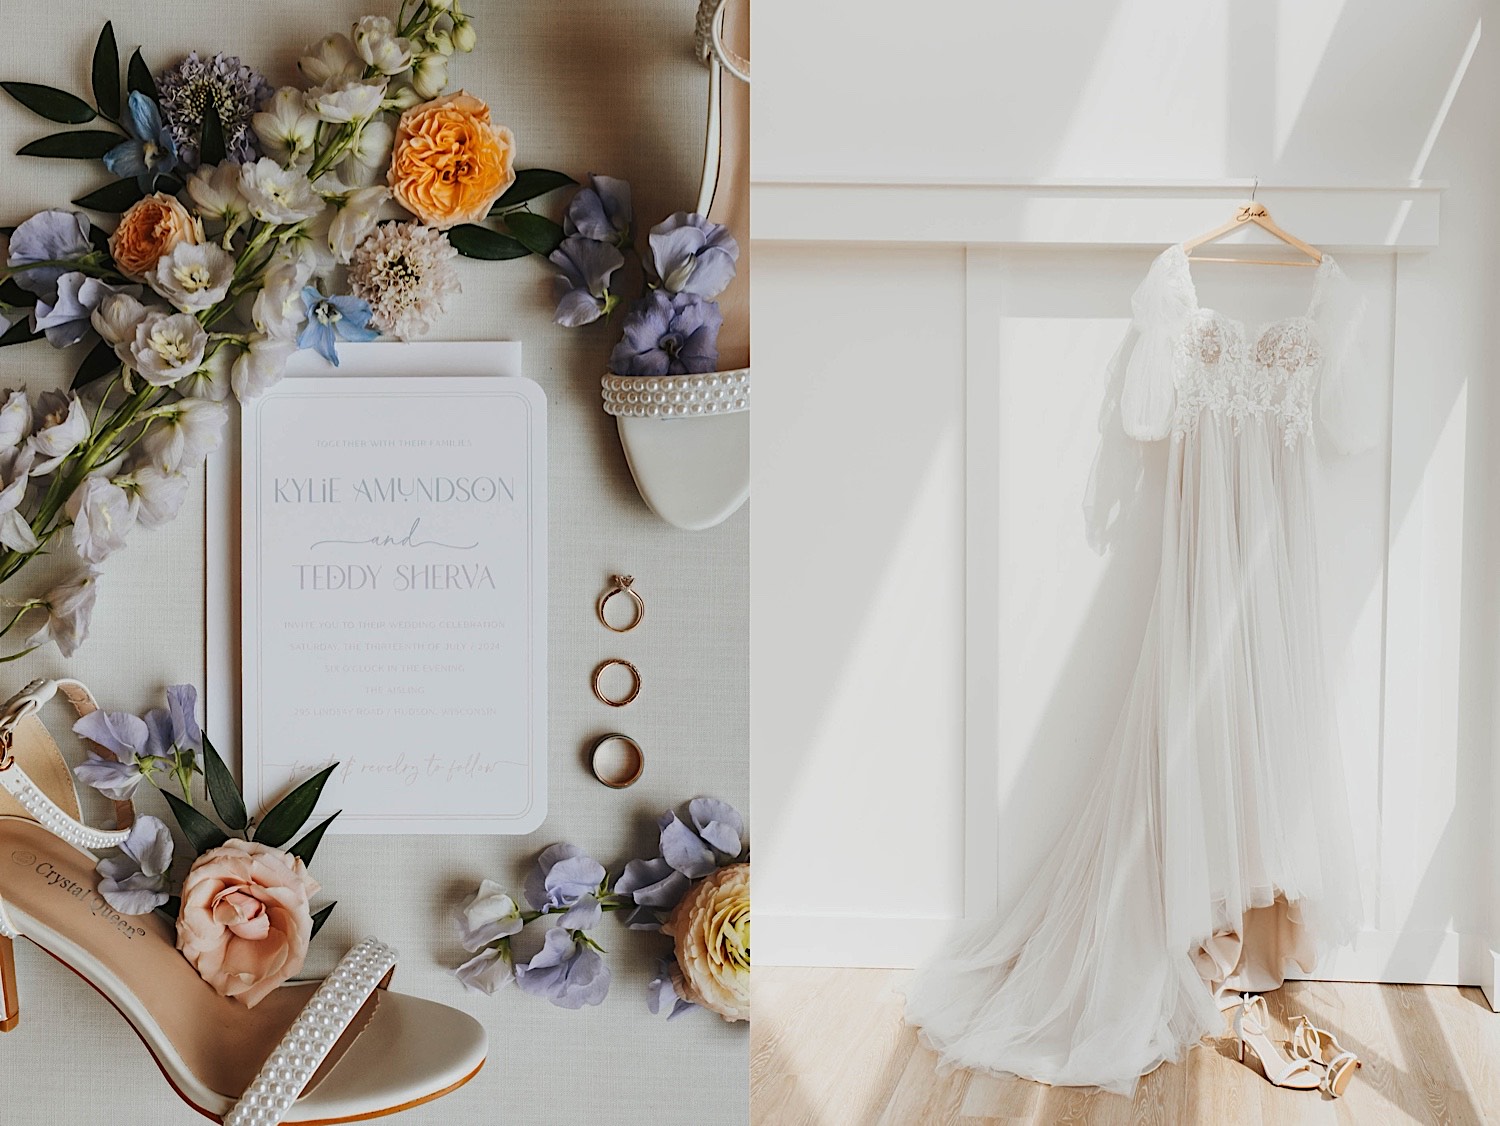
x=245 y=921
x=450 y=163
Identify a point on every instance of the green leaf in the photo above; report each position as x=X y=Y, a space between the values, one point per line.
x=222 y=791
x=201 y=833
x=54 y=105
x=81 y=144
x=19 y=333
x=211 y=141
x=138 y=77
x=320 y=917
x=536 y=233
x=13 y=294
x=107 y=73
x=531 y=183
x=291 y=813
x=100 y=361
x=480 y=242
x=171 y=908
x=113 y=199
x=312 y=839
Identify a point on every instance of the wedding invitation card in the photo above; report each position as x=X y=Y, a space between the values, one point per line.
x=394 y=599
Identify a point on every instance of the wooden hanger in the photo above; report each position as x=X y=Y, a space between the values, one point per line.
x=1256 y=213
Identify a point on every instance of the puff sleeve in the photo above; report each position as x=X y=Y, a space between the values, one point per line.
x=1160 y=307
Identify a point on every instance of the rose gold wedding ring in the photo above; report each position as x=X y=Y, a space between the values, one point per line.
x=634 y=764
x=622 y=585
x=635 y=682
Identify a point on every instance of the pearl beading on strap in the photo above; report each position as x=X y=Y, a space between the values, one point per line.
x=312 y=1035
x=53 y=818
x=677 y=396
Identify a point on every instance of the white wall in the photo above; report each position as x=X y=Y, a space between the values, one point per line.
x=945 y=254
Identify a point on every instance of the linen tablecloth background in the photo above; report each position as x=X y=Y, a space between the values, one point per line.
x=587 y=86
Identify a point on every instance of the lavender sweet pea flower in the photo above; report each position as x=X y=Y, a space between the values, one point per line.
x=48 y=236
x=562 y=874
x=567 y=971
x=150 y=152
x=123 y=734
x=583 y=294
x=720 y=824
x=134 y=882
x=68 y=318
x=601 y=211
x=330 y=319
x=669 y=335
x=488 y=971
x=691 y=255
x=661 y=990
x=486 y=917
x=585 y=914
x=182 y=704
x=655 y=887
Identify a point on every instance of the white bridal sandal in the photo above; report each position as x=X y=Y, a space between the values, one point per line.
x=1252 y=1024
x=338 y=1050
x=687 y=437
x=1339 y=1064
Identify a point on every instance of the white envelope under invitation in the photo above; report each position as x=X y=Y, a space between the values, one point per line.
x=393 y=588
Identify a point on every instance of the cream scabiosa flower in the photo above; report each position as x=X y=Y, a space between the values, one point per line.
x=405 y=272
x=194 y=277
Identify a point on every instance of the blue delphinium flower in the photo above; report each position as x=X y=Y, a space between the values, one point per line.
x=601 y=211
x=150 y=152
x=134 y=881
x=48 y=236
x=691 y=255
x=563 y=874
x=331 y=319
x=667 y=334
x=567 y=971
x=235 y=92
x=66 y=318
x=583 y=294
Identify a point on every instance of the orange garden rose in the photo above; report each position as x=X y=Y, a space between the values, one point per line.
x=450 y=163
x=149 y=231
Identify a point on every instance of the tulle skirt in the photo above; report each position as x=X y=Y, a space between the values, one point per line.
x=1214 y=851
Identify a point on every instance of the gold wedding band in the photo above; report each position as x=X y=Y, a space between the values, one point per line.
x=639 y=757
x=622 y=585
x=635 y=686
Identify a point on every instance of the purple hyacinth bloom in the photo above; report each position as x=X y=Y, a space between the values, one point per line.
x=691 y=255
x=150 y=152
x=48 y=236
x=134 y=881
x=567 y=971
x=234 y=90
x=583 y=286
x=601 y=211
x=331 y=319
x=65 y=318
x=669 y=335
x=562 y=875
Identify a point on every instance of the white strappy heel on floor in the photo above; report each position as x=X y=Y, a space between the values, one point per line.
x=311 y=1052
x=1252 y=1025
x=1339 y=1064
x=688 y=445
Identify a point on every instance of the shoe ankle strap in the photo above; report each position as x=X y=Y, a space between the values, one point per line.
x=710 y=36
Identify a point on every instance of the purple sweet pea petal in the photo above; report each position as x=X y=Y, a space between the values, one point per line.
x=561 y=874
x=602 y=211
x=110 y=777
x=661 y=990
x=566 y=971
x=718 y=823
x=158 y=733
x=134 y=881
x=684 y=850
x=653 y=883
x=120 y=732
x=46 y=237
x=149 y=845
x=575 y=307
x=66 y=320
x=486 y=917
x=585 y=914
x=182 y=702
x=691 y=255
x=487 y=972
x=669 y=335
x=583 y=286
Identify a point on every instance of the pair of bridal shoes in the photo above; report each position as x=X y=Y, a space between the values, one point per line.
x=342 y=1049
x=1318 y=1062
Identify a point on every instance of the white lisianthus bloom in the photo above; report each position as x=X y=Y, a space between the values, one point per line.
x=182 y=434
x=215 y=192
x=116 y=319
x=102 y=517
x=167 y=347
x=15 y=532
x=330 y=58
x=278 y=195
x=358 y=214
x=370 y=154
x=15 y=420
x=377 y=43
x=211 y=380
x=286 y=127
x=60 y=431
x=347 y=99
x=278 y=311
x=70 y=608
x=155 y=494
x=261 y=367
x=429 y=77
x=194 y=277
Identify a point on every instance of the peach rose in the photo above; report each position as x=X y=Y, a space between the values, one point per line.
x=711 y=929
x=245 y=922
x=450 y=164
x=149 y=231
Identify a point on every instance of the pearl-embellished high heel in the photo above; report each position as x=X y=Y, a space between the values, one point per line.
x=687 y=437
x=338 y=1050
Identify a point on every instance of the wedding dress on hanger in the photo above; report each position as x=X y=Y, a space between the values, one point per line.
x=1215 y=850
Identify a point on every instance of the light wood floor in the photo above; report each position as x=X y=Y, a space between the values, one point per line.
x=829 y=1049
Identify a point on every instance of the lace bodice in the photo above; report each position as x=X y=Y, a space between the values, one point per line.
x=1189 y=362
